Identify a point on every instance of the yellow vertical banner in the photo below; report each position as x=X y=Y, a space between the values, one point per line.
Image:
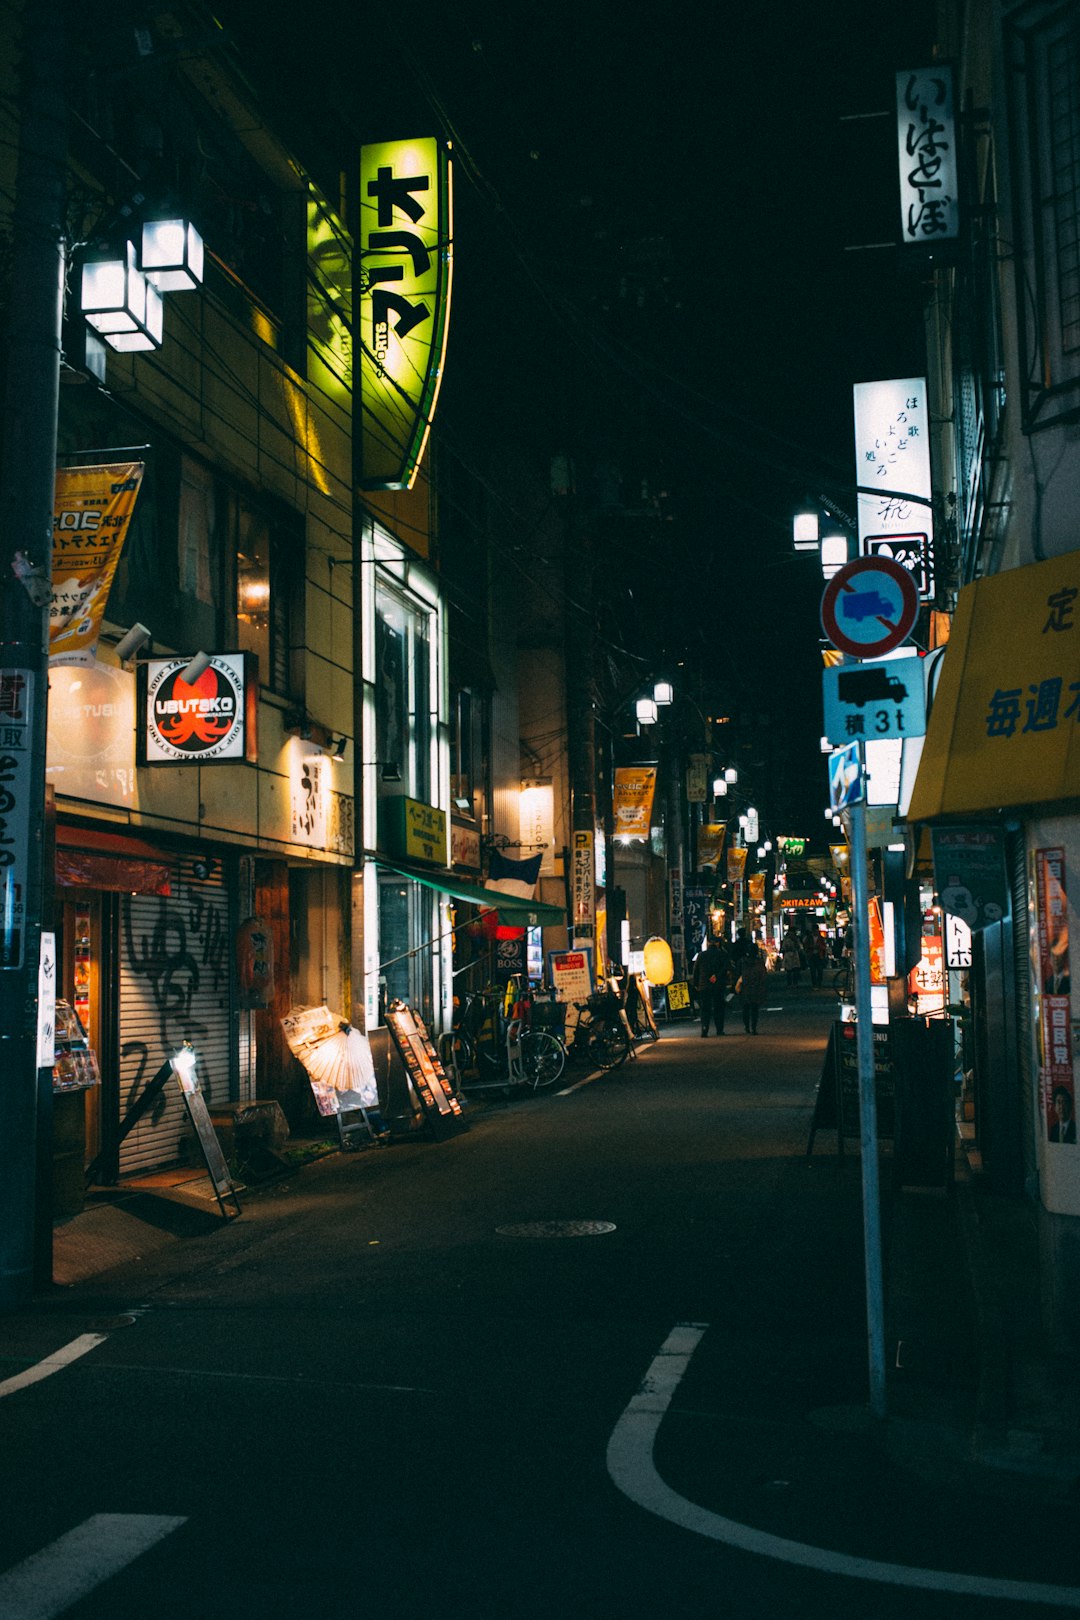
x=92 y=508
x=755 y=887
x=635 y=786
x=736 y=864
x=710 y=843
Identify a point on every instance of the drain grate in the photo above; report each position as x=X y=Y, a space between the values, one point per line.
x=556 y=1229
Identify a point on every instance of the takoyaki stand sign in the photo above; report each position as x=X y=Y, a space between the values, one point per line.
x=209 y=720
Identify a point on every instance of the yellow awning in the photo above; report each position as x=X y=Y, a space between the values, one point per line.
x=1004 y=728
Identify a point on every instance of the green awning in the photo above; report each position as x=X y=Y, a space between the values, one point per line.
x=514 y=911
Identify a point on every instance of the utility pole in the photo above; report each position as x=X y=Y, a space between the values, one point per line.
x=864 y=1031
x=579 y=663
x=27 y=481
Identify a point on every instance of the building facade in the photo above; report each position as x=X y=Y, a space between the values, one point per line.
x=1001 y=764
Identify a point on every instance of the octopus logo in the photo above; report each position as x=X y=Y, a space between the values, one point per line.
x=203 y=720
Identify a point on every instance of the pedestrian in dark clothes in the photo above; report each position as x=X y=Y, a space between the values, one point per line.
x=752 y=986
x=710 y=980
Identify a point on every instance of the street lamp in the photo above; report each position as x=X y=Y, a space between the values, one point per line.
x=805 y=530
x=646 y=711
x=663 y=694
x=119 y=302
x=835 y=552
x=731 y=775
x=171 y=254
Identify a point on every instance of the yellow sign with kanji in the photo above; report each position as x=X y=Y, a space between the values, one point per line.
x=92 y=509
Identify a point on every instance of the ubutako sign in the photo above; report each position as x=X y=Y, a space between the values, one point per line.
x=207 y=721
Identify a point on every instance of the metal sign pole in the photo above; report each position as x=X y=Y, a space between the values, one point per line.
x=871 y=1195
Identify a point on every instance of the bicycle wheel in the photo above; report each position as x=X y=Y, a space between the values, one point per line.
x=542 y=1058
x=610 y=1046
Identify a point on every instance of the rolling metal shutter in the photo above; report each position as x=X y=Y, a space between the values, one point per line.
x=176 y=978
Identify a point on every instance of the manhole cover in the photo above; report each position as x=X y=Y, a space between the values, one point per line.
x=556 y=1229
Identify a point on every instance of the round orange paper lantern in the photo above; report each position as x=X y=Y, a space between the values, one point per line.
x=659 y=966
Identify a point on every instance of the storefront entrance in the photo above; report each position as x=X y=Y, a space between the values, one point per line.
x=144 y=951
x=407 y=918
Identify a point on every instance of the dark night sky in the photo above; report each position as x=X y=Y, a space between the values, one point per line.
x=582 y=130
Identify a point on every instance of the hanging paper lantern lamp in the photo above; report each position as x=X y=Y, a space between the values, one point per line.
x=659 y=966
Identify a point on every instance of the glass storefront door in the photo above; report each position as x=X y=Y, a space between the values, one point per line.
x=407 y=926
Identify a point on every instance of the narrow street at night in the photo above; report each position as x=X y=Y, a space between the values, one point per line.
x=525 y=537
x=397 y=1386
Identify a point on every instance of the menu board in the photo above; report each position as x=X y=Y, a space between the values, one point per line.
x=75 y=1064
x=427 y=1077
x=837 y=1102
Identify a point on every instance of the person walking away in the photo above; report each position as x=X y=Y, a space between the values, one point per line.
x=752 y=986
x=710 y=981
x=816 y=951
x=742 y=950
x=791 y=953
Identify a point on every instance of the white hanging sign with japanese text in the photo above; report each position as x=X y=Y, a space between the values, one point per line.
x=926 y=147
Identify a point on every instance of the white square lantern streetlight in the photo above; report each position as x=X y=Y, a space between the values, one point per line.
x=646 y=711
x=171 y=256
x=663 y=694
x=835 y=552
x=805 y=531
x=120 y=304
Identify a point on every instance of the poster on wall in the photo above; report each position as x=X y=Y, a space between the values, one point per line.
x=1053 y=988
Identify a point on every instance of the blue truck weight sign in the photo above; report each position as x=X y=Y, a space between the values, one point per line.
x=876 y=699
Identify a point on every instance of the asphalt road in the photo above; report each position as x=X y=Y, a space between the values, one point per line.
x=366 y=1398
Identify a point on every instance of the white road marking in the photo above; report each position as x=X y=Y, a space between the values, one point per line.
x=54 y=1363
x=51 y=1580
x=631 y=1466
x=577 y=1085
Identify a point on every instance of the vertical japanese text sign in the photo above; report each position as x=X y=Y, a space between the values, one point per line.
x=892 y=473
x=926 y=146
x=16 y=785
x=403 y=303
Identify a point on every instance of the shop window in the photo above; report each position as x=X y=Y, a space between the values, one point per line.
x=1044 y=49
x=403 y=700
x=329 y=301
x=267 y=602
x=172 y=572
x=465 y=752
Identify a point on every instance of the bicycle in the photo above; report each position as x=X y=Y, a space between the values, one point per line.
x=601 y=1037
x=843 y=982
x=484 y=1051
